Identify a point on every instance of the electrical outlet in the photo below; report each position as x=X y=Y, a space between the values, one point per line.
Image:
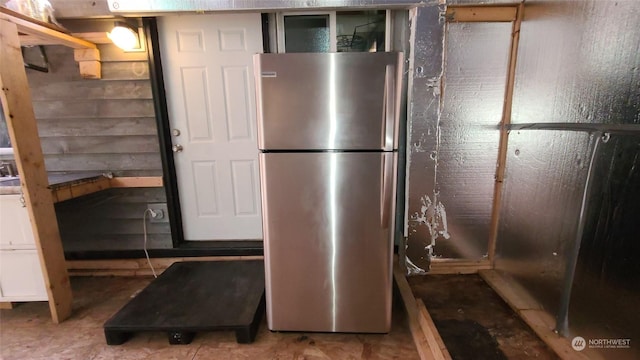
x=158 y=214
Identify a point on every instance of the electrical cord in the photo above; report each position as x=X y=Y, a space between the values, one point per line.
x=144 y=229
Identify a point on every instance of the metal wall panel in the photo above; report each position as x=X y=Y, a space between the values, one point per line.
x=578 y=62
x=458 y=148
x=475 y=78
x=608 y=270
x=425 y=63
x=544 y=181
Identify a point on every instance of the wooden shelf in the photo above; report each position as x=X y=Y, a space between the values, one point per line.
x=34 y=32
x=75 y=189
x=40 y=33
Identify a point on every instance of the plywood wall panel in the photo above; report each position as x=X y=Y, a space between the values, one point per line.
x=91 y=127
x=83 y=90
x=110 y=52
x=111 y=220
x=100 y=145
x=103 y=162
x=126 y=70
x=82 y=108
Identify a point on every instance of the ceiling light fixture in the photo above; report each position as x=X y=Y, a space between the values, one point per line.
x=124 y=36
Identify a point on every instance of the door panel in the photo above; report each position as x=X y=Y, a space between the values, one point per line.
x=239 y=118
x=327 y=256
x=208 y=67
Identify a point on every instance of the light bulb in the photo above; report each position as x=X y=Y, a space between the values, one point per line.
x=124 y=37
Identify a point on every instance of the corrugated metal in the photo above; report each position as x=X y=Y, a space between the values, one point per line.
x=475 y=78
x=544 y=181
x=578 y=62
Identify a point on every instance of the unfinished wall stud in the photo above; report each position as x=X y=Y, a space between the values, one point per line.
x=21 y=123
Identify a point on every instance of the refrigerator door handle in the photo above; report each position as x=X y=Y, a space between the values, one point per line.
x=389 y=115
x=385 y=198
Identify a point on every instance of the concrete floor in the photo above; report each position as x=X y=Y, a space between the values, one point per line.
x=26 y=332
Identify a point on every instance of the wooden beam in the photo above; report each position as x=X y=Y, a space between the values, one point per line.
x=31 y=40
x=504 y=134
x=140 y=181
x=88 y=62
x=90 y=69
x=480 y=13
x=419 y=339
x=431 y=333
x=138 y=267
x=30 y=27
x=86 y=54
x=94 y=37
x=539 y=320
x=455 y=266
x=23 y=132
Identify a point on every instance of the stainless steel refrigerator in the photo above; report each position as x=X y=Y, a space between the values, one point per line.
x=327 y=133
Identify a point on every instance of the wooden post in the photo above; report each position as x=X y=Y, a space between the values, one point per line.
x=504 y=133
x=23 y=132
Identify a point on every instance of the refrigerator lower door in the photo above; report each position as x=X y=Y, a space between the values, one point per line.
x=328 y=240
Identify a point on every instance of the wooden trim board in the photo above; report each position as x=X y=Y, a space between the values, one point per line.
x=431 y=333
x=94 y=37
x=6 y=305
x=481 y=13
x=538 y=319
x=454 y=266
x=23 y=132
x=138 y=267
x=139 y=181
x=423 y=335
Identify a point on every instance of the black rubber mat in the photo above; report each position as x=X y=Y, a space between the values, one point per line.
x=195 y=296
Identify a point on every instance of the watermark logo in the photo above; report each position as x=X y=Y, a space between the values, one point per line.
x=578 y=343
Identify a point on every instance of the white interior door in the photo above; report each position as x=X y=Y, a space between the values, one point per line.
x=208 y=74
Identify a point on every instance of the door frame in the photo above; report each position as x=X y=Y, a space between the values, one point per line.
x=169 y=174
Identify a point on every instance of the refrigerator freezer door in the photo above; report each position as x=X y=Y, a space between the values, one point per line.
x=328 y=101
x=328 y=257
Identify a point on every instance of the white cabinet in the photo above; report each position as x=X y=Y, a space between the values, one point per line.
x=20 y=273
